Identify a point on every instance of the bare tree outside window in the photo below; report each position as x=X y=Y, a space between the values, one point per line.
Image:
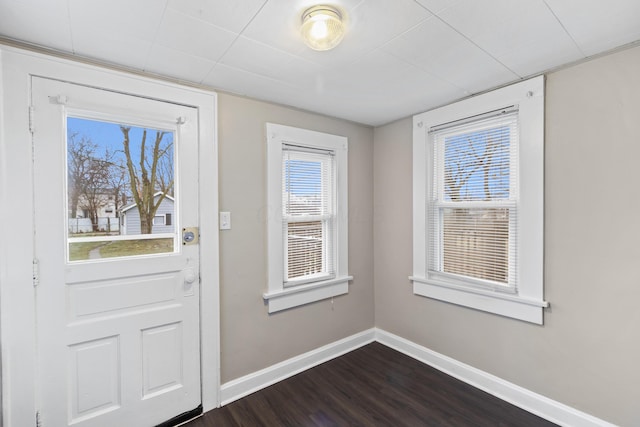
x=153 y=171
x=89 y=175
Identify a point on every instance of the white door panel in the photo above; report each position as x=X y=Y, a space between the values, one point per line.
x=117 y=333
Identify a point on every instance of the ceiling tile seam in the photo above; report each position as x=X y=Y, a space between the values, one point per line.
x=189 y=56
x=408 y=29
x=73 y=48
x=424 y=70
x=283 y=52
x=213 y=61
x=358 y=5
x=469 y=39
x=155 y=36
x=383 y=44
x=424 y=7
x=233 y=42
x=280 y=103
x=362 y=55
x=564 y=28
x=285 y=83
x=318 y=65
x=443 y=9
x=428 y=72
x=204 y=21
x=417 y=66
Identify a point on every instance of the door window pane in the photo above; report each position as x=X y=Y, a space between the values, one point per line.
x=120 y=190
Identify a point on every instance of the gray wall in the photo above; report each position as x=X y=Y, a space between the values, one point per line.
x=251 y=339
x=587 y=353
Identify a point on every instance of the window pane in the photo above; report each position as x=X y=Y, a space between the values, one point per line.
x=476 y=165
x=120 y=187
x=475 y=243
x=305 y=249
x=304 y=189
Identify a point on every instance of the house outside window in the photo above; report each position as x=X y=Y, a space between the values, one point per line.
x=478 y=202
x=307 y=223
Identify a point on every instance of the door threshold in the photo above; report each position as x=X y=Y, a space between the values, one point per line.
x=182 y=418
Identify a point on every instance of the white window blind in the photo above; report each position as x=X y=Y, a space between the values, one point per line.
x=472 y=202
x=308 y=214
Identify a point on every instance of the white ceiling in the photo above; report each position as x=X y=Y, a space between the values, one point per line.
x=398 y=58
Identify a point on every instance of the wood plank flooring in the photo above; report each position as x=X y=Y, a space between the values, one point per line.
x=371 y=386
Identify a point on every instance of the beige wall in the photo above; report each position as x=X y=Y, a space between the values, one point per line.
x=588 y=351
x=251 y=339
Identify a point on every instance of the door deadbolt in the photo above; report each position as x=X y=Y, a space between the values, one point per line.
x=190 y=235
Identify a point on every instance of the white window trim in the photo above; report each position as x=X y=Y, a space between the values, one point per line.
x=278 y=297
x=527 y=303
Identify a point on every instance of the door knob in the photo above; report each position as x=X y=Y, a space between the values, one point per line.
x=189 y=276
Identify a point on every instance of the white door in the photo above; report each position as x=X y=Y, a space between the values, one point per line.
x=117 y=314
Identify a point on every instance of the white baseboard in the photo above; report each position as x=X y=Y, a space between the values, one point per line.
x=243 y=386
x=537 y=404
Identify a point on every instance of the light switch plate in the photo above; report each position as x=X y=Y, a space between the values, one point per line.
x=225 y=220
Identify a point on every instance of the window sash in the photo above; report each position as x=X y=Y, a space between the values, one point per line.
x=308 y=251
x=472 y=203
x=482 y=253
x=308 y=215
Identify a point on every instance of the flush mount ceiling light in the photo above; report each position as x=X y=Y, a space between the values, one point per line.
x=322 y=27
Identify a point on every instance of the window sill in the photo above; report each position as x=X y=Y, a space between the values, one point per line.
x=504 y=304
x=304 y=294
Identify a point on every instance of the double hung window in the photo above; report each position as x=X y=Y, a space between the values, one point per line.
x=478 y=202
x=307 y=216
x=472 y=204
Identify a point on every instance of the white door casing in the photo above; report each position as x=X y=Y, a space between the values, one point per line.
x=118 y=338
x=18 y=302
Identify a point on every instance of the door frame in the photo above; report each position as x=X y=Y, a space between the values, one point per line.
x=17 y=293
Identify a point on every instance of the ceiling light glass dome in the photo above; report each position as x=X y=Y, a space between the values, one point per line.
x=322 y=27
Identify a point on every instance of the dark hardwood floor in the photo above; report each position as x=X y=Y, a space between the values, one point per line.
x=371 y=386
